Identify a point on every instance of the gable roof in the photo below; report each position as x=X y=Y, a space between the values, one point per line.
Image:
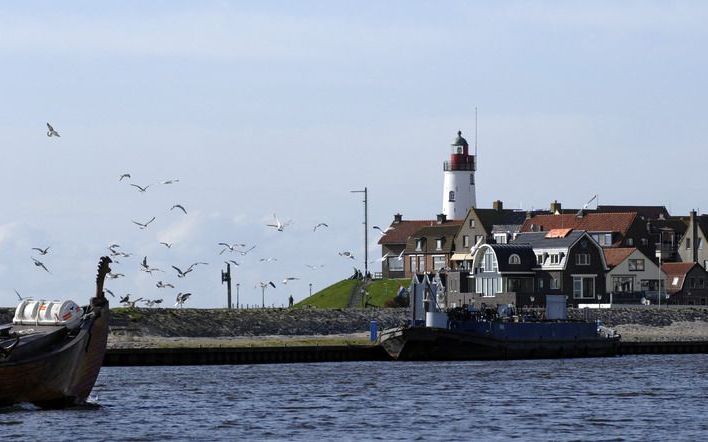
x=539 y=240
x=677 y=270
x=447 y=230
x=702 y=221
x=592 y=222
x=615 y=255
x=402 y=230
x=494 y=217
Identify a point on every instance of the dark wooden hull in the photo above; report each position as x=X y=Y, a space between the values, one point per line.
x=434 y=344
x=64 y=374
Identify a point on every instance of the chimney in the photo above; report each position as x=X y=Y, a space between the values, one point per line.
x=397 y=218
x=556 y=207
x=694 y=237
x=498 y=205
x=441 y=218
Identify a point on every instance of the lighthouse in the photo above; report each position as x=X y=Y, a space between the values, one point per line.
x=458 y=182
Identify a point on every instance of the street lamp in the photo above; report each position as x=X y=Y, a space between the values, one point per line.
x=366 y=228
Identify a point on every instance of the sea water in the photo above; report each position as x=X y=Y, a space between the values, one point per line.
x=657 y=397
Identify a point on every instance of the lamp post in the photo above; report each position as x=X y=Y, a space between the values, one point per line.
x=237 y=301
x=366 y=228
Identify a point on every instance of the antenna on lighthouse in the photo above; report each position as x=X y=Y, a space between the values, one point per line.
x=475 y=132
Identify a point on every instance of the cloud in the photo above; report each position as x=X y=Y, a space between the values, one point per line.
x=182 y=230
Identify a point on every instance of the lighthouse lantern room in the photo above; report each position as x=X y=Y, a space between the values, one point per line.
x=458 y=183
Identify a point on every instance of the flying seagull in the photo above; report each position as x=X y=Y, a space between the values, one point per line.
x=146 y=268
x=144 y=225
x=18 y=295
x=382 y=231
x=167 y=244
x=172 y=181
x=314 y=267
x=124 y=299
x=269 y=259
x=400 y=255
x=266 y=284
x=41 y=251
x=279 y=226
x=40 y=264
x=182 y=298
x=141 y=189
x=179 y=206
x=114 y=275
x=109 y=292
x=51 y=132
x=347 y=253
x=383 y=258
x=319 y=225
x=164 y=285
x=125 y=175
x=290 y=278
x=180 y=273
x=232 y=262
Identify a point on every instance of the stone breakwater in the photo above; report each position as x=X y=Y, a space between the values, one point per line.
x=293 y=322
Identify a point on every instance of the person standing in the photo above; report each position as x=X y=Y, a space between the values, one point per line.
x=290 y=301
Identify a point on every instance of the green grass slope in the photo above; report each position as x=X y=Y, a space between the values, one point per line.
x=334 y=296
x=381 y=290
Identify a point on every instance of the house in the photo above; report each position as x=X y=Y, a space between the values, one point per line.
x=692 y=247
x=632 y=276
x=502 y=274
x=430 y=248
x=568 y=262
x=616 y=229
x=393 y=242
x=495 y=225
x=687 y=283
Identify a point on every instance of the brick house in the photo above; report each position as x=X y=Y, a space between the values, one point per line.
x=393 y=243
x=687 y=283
x=430 y=248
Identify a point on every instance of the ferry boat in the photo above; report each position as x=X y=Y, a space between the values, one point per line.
x=51 y=353
x=469 y=333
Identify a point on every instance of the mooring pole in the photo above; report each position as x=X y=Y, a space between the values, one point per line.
x=226 y=278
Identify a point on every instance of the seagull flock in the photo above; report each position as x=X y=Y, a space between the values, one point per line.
x=241 y=250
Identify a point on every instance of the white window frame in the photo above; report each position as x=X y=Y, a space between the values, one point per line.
x=435 y=267
x=438 y=244
x=633 y=265
x=555 y=258
x=465 y=241
x=582 y=262
x=580 y=278
x=514 y=259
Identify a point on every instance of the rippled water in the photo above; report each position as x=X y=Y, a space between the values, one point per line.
x=627 y=398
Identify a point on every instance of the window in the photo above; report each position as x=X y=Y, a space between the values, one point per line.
x=471 y=179
x=604 y=239
x=438 y=244
x=418 y=245
x=472 y=224
x=636 y=265
x=395 y=264
x=693 y=282
x=489 y=261
x=438 y=262
x=514 y=259
x=451 y=196
x=582 y=259
x=699 y=241
x=700 y=283
x=555 y=283
x=500 y=238
x=705 y=264
x=555 y=259
x=465 y=240
x=539 y=259
x=414 y=261
x=540 y=283
x=688 y=243
x=675 y=281
x=623 y=284
x=645 y=241
x=583 y=287
x=421 y=263
x=630 y=241
x=478 y=239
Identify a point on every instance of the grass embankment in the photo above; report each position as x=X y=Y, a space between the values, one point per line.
x=382 y=290
x=335 y=296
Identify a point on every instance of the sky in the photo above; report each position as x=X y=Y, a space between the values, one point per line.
x=263 y=108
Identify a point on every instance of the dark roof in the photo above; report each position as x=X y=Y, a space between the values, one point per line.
x=702 y=221
x=504 y=251
x=646 y=212
x=591 y=222
x=678 y=224
x=491 y=217
x=539 y=239
x=615 y=255
x=431 y=233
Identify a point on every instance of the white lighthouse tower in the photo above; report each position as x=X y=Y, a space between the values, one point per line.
x=458 y=183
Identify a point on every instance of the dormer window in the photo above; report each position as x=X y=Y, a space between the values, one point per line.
x=514 y=259
x=500 y=238
x=539 y=259
x=419 y=245
x=438 y=244
x=555 y=258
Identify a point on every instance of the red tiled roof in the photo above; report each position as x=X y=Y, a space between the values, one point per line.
x=591 y=222
x=404 y=229
x=677 y=268
x=615 y=255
